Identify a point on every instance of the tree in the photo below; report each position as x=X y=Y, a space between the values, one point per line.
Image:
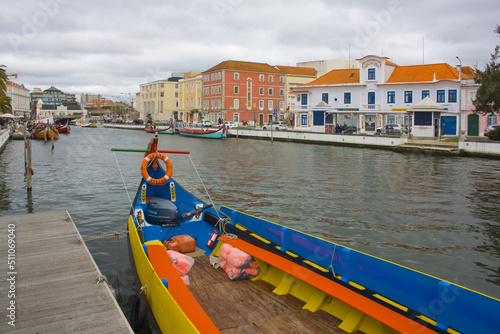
x=488 y=94
x=5 y=105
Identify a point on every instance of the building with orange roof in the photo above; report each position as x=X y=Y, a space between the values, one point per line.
x=381 y=92
x=241 y=91
x=295 y=76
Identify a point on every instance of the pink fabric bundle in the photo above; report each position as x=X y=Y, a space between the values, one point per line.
x=182 y=264
x=237 y=264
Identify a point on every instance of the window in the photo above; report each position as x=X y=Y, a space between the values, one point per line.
x=236 y=76
x=423 y=118
x=303 y=102
x=426 y=93
x=440 y=96
x=282 y=79
x=408 y=96
x=452 y=95
x=261 y=104
x=371 y=74
x=236 y=90
x=261 y=77
x=271 y=92
x=391 y=97
x=162 y=94
x=492 y=120
x=282 y=105
x=371 y=97
x=282 y=92
x=261 y=90
x=324 y=97
x=271 y=79
x=347 y=98
x=303 y=120
x=270 y=105
x=236 y=104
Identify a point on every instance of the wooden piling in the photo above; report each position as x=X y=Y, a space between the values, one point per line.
x=27 y=163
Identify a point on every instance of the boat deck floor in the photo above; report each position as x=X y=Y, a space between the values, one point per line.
x=248 y=306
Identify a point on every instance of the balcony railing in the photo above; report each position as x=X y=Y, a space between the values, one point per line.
x=374 y=107
x=300 y=107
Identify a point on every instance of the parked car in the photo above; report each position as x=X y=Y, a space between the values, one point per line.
x=280 y=126
x=491 y=128
x=390 y=128
x=231 y=125
x=204 y=123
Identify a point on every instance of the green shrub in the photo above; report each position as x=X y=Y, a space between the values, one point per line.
x=494 y=135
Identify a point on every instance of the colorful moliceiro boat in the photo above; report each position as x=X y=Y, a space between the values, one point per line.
x=64 y=128
x=219 y=133
x=45 y=132
x=162 y=130
x=295 y=282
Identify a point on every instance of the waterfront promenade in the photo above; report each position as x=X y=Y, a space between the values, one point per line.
x=468 y=147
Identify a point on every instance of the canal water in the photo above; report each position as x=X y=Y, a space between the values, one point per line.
x=439 y=215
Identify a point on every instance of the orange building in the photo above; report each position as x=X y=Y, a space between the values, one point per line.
x=243 y=92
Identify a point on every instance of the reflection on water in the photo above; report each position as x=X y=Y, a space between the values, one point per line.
x=439 y=215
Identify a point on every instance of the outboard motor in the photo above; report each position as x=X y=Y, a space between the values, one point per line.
x=161 y=211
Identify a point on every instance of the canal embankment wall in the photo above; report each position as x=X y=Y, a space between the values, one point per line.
x=469 y=147
x=4 y=138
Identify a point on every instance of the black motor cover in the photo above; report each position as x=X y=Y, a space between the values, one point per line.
x=160 y=211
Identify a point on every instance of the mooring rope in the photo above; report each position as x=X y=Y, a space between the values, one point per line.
x=114 y=234
x=123 y=181
x=203 y=184
x=331 y=262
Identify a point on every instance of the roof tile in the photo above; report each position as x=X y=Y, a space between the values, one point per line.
x=423 y=73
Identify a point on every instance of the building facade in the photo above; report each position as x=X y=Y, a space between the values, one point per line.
x=380 y=92
x=52 y=96
x=19 y=98
x=295 y=76
x=190 y=97
x=159 y=100
x=248 y=92
x=85 y=98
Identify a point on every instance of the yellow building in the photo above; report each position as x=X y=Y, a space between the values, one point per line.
x=190 y=97
x=159 y=99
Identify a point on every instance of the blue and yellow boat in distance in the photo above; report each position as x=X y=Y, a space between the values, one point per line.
x=304 y=284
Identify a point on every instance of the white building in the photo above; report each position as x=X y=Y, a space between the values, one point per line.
x=20 y=98
x=380 y=92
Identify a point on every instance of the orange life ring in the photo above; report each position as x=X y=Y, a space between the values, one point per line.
x=145 y=164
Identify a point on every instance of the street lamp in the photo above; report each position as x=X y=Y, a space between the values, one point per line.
x=460 y=100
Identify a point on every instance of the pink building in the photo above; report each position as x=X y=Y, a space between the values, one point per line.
x=475 y=124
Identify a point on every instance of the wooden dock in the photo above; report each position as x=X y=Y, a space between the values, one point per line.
x=49 y=279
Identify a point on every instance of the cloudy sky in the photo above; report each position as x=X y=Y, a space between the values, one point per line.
x=112 y=46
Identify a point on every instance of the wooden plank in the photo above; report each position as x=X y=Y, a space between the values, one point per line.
x=56 y=288
x=387 y=316
x=251 y=307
